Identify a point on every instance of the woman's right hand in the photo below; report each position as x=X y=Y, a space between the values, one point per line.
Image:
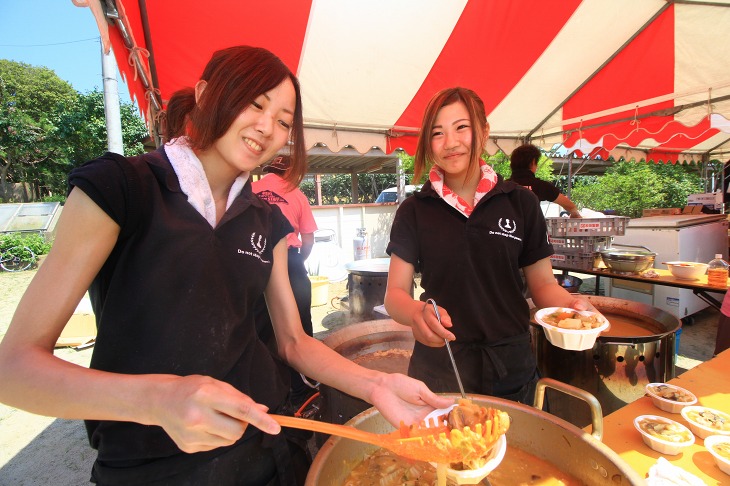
x=426 y=327
x=200 y=413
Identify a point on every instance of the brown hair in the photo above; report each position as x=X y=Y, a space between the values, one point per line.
x=523 y=156
x=234 y=78
x=424 y=158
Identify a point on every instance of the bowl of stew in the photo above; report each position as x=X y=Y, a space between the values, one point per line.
x=571 y=329
x=719 y=447
x=705 y=422
x=663 y=435
x=670 y=398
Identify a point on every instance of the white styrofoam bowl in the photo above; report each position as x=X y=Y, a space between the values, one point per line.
x=664 y=446
x=668 y=404
x=471 y=476
x=702 y=429
x=570 y=339
x=722 y=462
x=687 y=270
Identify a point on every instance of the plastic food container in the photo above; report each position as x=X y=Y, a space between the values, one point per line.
x=712 y=443
x=687 y=270
x=570 y=339
x=669 y=397
x=704 y=422
x=670 y=448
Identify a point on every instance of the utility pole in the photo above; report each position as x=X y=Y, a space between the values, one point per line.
x=112 y=112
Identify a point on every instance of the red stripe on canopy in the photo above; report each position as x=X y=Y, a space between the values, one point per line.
x=622 y=82
x=489 y=59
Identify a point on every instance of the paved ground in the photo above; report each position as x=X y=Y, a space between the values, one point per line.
x=37 y=450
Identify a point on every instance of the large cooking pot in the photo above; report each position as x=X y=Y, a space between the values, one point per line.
x=367 y=281
x=381 y=344
x=533 y=431
x=640 y=349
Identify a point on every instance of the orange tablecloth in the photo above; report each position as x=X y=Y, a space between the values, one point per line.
x=710 y=381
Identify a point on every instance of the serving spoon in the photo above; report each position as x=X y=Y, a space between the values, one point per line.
x=448 y=348
x=429 y=441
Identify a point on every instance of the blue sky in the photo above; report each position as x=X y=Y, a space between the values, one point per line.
x=58 y=35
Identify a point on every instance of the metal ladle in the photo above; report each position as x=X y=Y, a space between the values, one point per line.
x=448 y=348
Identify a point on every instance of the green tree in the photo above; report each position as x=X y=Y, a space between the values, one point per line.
x=82 y=132
x=47 y=129
x=30 y=99
x=630 y=187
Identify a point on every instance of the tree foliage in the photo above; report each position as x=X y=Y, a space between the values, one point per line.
x=30 y=99
x=47 y=129
x=630 y=187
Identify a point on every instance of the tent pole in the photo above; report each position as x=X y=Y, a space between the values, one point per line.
x=112 y=111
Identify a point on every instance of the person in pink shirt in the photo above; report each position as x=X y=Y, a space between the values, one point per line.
x=274 y=189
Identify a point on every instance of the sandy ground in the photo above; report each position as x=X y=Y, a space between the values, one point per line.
x=36 y=450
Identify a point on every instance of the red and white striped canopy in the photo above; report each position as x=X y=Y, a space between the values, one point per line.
x=641 y=79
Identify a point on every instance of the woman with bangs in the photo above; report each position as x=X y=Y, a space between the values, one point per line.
x=470 y=235
x=175 y=249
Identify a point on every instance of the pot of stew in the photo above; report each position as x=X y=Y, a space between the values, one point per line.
x=541 y=448
x=638 y=349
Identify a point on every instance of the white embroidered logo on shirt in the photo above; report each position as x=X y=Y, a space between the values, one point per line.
x=506 y=228
x=258 y=243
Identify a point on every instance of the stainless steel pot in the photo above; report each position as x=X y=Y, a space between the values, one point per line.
x=636 y=259
x=618 y=367
x=382 y=345
x=534 y=431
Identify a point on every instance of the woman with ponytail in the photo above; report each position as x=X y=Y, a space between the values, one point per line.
x=175 y=249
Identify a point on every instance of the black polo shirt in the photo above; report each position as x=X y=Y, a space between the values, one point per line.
x=544 y=190
x=471 y=267
x=175 y=295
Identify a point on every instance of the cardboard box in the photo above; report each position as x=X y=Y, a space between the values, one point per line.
x=80 y=329
x=697 y=209
x=660 y=212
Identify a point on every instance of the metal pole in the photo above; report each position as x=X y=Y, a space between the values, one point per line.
x=111 y=103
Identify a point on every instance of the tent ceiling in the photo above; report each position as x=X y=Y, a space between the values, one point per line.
x=634 y=79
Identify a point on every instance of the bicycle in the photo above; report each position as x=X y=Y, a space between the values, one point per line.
x=17 y=259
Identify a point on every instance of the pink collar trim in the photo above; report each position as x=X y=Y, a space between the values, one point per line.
x=486 y=183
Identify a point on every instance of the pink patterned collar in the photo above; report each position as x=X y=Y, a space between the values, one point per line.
x=486 y=183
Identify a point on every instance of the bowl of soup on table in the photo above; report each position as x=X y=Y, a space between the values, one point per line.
x=687 y=270
x=719 y=447
x=663 y=435
x=705 y=422
x=670 y=398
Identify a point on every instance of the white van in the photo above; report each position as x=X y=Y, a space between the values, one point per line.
x=390 y=195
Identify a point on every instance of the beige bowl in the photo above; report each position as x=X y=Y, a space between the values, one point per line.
x=704 y=422
x=570 y=339
x=723 y=461
x=664 y=446
x=670 y=398
x=687 y=270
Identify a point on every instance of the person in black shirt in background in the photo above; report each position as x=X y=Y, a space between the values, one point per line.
x=524 y=161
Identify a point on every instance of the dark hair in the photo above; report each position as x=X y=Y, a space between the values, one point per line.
x=234 y=78
x=424 y=153
x=523 y=156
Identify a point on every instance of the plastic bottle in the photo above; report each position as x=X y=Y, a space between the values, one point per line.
x=717 y=272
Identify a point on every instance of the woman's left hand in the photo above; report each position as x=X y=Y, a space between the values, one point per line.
x=400 y=398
